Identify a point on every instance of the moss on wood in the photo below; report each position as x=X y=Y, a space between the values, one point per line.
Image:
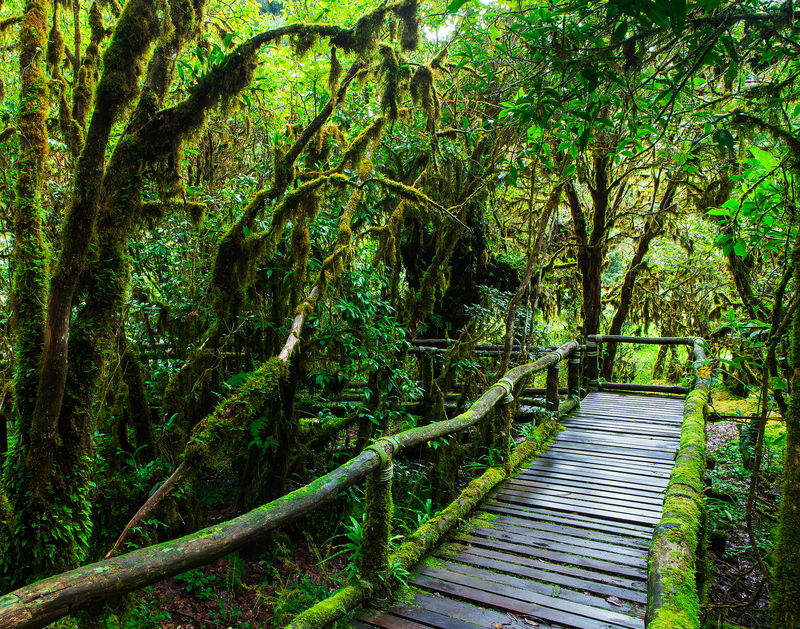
x=673 y=598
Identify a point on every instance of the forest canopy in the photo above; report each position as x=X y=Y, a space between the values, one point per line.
x=226 y=229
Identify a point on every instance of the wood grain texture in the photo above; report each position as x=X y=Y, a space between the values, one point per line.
x=564 y=543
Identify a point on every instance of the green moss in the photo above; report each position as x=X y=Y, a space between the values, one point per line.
x=390 y=70
x=374 y=556
x=259 y=396
x=407 y=12
x=331 y=609
x=676 y=543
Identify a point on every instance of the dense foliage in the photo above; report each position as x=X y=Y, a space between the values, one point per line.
x=223 y=226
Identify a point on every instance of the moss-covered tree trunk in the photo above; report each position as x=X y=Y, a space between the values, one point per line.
x=591 y=240
x=49 y=479
x=785 y=603
x=29 y=281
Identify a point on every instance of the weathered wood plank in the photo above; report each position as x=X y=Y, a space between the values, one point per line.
x=633 y=572
x=572 y=531
x=573 y=578
x=651 y=492
x=567 y=592
x=565 y=542
x=585 y=489
x=586 y=542
x=530 y=603
x=515 y=561
x=628 y=528
x=611 y=555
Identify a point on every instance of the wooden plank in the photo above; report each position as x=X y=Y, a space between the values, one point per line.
x=607 y=458
x=482 y=616
x=662 y=468
x=609 y=555
x=385 y=620
x=598 y=500
x=489 y=581
x=608 y=567
x=546 y=576
x=573 y=540
x=578 y=488
x=573 y=531
x=583 y=487
x=648 y=413
x=530 y=603
x=658 y=450
x=623 y=424
x=516 y=561
x=631 y=529
x=446 y=570
x=613 y=512
x=644 y=442
x=431 y=618
x=624 y=453
x=617 y=404
x=550 y=477
x=543 y=464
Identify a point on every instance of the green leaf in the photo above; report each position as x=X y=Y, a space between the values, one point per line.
x=719 y=211
x=739 y=248
x=455 y=5
x=765 y=159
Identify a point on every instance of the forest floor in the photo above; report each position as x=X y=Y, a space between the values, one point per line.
x=247 y=591
x=738 y=592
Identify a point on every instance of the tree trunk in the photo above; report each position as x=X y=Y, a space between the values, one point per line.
x=27 y=302
x=785 y=601
x=590 y=264
x=652 y=229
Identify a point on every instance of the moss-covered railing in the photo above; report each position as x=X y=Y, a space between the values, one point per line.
x=675 y=566
x=45 y=601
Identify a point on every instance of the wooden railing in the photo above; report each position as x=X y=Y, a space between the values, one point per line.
x=594 y=353
x=45 y=601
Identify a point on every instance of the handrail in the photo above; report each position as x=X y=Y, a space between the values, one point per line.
x=49 y=599
x=594 y=344
x=673 y=595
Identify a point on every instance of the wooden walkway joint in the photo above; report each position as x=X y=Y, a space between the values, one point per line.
x=564 y=543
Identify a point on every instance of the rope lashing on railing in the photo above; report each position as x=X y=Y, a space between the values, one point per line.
x=508 y=387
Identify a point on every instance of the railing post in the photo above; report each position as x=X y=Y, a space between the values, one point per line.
x=501 y=425
x=574 y=377
x=374 y=562
x=591 y=368
x=552 y=387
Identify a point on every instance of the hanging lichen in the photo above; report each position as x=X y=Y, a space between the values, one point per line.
x=409 y=38
x=390 y=71
x=334 y=74
x=55 y=49
x=302 y=42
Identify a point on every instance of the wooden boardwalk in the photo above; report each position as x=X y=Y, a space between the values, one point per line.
x=564 y=543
